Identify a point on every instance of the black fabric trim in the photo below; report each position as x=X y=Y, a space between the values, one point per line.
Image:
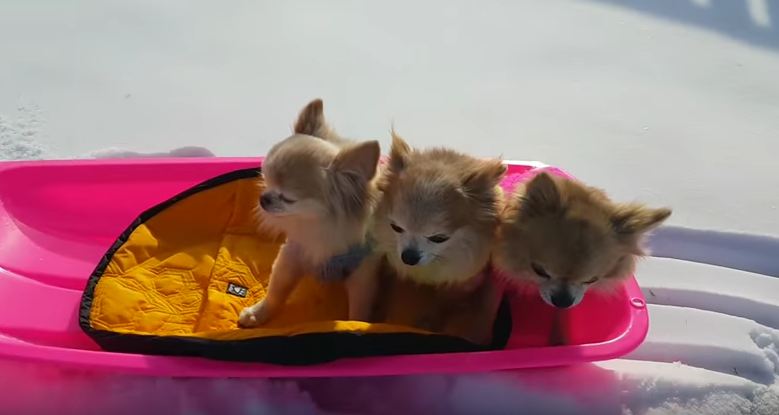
x=300 y=349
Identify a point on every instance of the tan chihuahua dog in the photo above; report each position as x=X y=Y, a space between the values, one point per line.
x=320 y=193
x=435 y=225
x=566 y=237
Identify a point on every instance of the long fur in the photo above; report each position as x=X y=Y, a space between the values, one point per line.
x=319 y=192
x=573 y=233
x=429 y=193
x=439 y=190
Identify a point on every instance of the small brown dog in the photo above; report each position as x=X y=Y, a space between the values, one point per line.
x=320 y=193
x=438 y=214
x=566 y=237
x=435 y=225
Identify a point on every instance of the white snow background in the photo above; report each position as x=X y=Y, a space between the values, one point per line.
x=669 y=102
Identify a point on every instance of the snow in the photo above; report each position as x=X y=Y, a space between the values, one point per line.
x=669 y=102
x=662 y=388
x=116 y=153
x=738 y=293
x=715 y=341
x=17 y=136
x=748 y=252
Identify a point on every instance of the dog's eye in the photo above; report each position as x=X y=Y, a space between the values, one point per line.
x=538 y=269
x=437 y=239
x=286 y=199
x=396 y=228
x=591 y=280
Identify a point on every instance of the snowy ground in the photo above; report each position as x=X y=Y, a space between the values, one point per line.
x=671 y=102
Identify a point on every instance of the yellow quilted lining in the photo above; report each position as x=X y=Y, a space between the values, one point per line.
x=171 y=275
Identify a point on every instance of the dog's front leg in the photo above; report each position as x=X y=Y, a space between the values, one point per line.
x=284 y=277
x=361 y=287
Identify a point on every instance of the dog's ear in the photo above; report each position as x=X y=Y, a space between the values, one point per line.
x=359 y=159
x=542 y=195
x=311 y=120
x=484 y=177
x=632 y=220
x=399 y=153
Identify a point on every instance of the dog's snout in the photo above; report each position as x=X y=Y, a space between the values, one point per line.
x=265 y=201
x=410 y=256
x=562 y=299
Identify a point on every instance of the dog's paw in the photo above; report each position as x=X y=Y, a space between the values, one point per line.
x=247 y=319
x=252 y=316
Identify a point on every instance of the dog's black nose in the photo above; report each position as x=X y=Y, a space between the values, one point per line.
x=410 y=256
x=562 y=299
x=265 y=201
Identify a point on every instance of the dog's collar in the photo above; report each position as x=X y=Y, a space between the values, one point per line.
x=340 y=266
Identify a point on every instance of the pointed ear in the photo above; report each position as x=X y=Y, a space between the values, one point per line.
x=360 y=159
x=542 y=194
x=485 y=176
x=399 y=153
x=311 y=120
x=631 y=220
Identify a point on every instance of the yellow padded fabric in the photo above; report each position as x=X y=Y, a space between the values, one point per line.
x=170 y=276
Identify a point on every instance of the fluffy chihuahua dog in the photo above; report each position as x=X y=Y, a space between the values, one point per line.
x=567 y=237
x=320 y=193
x=434 y=228
x=438 y=214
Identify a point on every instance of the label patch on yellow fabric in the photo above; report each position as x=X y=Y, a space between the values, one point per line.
x=237 y=290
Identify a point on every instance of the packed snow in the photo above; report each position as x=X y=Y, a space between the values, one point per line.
x=669 y=102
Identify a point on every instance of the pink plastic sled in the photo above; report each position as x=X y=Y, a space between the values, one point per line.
x=58 y=218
